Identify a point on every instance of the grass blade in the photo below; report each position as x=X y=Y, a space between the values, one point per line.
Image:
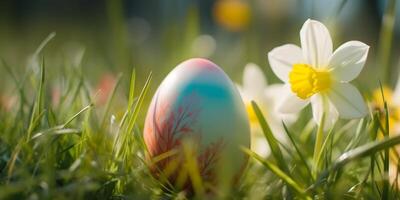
x=121 y=141
x=61 y=129
x=76 y=115
x=386 y=38
x=385 y=191
x=275 y=169
x=44 y=43
x=38 y=104
x=109 y=101
x=18 y=84
x=358 y=153
x=302 y=158
x=132 y=118
x=275 y=149
x=131 y=98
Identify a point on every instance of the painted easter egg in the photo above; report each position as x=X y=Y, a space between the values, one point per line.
x=197 y=105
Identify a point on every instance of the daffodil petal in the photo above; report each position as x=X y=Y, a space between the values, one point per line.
x=241 y=92
x=260 y=145
x=254 y=80
x=271 y=91
x=290 y=103
x=282 y=59
x=320 y=106
x=348 y=60
x=273 y=100
x=274 y=121
x=277 y=129
x=347 y=100
x=316 y=43
x=396 y=93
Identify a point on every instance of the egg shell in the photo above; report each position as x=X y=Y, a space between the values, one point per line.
x=198 y=101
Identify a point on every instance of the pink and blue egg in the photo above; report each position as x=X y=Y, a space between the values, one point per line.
x=198 y=102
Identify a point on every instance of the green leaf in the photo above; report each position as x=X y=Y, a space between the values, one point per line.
x=56 y=131
x=131 y=99
x=109 y=101
x=19 y=84
x=275 y=149
x=302 y=158
x=43 y=44
x=385 y=191
x=386 y=39
x=358 y=153
x=76 y=115
x=122 y=139
x=281 y=174
x=38 y=112
x=61 y=129
x=132 y=118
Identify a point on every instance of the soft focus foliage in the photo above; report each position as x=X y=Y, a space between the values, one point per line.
x=77 y=78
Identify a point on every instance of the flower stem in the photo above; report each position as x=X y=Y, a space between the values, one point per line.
x=386 y=184
x=318 y=144
x=386 y=38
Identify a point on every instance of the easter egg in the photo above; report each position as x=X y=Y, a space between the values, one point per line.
x=197 y=109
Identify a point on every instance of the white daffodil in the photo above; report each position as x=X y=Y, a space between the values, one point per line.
x=316 y=74
x=255 y=88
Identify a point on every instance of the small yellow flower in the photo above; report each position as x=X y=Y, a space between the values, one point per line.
x=377 y=96
x=393 y=108
x=393 y=103
x=233 y=15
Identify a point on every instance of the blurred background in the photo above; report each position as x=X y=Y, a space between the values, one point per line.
x=156 y=35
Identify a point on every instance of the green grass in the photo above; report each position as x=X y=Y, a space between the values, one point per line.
x=71 y=150
x=80 y=149
x=74 y=151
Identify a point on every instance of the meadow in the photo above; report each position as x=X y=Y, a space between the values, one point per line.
x=75 y=92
